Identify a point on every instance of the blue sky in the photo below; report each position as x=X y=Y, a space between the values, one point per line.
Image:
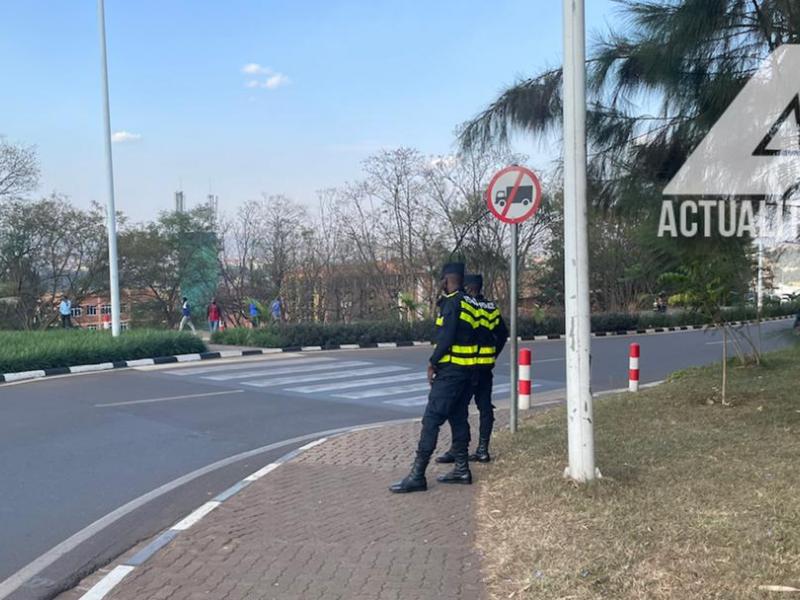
x=336 y=80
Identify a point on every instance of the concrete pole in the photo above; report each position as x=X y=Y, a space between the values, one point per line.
x=111 y=214
x=576 y=248
x=513 y=328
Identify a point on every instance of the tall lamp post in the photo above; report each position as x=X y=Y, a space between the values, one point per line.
x=111 y=214
x=576 y=248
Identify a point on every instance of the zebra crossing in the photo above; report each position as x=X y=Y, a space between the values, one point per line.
x=325 y=377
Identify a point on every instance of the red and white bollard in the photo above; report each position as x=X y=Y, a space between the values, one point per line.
x=524 y=391
x=633 y=368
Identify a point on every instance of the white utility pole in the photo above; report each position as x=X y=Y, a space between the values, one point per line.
x=110 y=209
x=576 y=248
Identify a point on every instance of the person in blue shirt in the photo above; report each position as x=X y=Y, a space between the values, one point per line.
x=254 y=314
x=186 y=316
x=65 y=310
x=276 y=310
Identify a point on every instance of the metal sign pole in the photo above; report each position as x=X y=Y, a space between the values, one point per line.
x=513 y=311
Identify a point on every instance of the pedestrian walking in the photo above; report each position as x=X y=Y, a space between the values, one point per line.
x=450 y=370
x=186 y=316
x=276 y=309
x=214 y=315
x=253 y=314
x=65 y=310
x=492 y=337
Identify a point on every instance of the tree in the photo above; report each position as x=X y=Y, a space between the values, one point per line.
x=19 y=169
x=172 y=257
x=48 y=248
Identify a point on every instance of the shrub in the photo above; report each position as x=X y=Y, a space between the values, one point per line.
x=33 y=350
x=333 y=334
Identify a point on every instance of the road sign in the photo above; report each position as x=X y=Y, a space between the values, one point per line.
x=514 y=194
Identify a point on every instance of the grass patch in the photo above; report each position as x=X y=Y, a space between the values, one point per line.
x=697 y=500
x=28 y=351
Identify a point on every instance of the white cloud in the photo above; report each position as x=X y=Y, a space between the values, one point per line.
x=272 y=78
x=120 y=137
x=275 y=81
x=256 y=69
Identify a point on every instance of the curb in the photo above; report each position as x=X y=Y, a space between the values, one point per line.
x=178 y=358
x=103 y=587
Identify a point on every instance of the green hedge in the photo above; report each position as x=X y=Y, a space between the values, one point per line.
x=333 y=334
x=32 y=350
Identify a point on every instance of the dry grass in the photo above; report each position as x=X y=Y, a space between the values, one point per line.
x=697 y=500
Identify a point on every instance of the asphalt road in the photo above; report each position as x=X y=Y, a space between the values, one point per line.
x=74 y=449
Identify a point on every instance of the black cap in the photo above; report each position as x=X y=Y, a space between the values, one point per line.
x=473 y=280
x=454 y=268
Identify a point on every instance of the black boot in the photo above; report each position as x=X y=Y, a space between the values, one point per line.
x=446 y=458
x=481 y=452
x=415 y=481
x=460 y=473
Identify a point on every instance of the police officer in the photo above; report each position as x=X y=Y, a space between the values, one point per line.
x=450 y=371
x=492 y=336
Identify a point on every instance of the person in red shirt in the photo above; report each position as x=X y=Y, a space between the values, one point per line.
x=214 y=316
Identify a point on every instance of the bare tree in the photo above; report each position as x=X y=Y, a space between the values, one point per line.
x=19 y=169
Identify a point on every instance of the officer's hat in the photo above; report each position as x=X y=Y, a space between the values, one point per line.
x=473 y=280
x=454 y=268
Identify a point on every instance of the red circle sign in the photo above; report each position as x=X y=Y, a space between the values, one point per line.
x=514 y=194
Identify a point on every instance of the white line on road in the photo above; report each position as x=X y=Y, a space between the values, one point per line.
x=194 y=517
x=186 y=397
x=384 y=391
x=107 y=583
x=327 y=375
x=248 y=365
x=328 y=387
x=267 y=370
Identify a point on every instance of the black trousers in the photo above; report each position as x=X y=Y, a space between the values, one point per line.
x=482 y=391
x=448 y=401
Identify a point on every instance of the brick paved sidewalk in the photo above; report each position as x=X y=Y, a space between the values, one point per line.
x=324 y=526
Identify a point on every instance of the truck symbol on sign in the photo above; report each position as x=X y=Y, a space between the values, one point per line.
x=524 y=195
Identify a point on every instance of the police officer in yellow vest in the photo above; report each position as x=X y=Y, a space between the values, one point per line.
x=492 y=337
x=450 y=372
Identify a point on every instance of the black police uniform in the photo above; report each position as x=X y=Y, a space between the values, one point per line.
x=492 y=336
x=454 y=359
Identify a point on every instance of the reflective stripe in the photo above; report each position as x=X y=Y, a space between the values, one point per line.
x=464 y=349
x=439 y=321
x=487 y=350
x=459 y=360
x=466 y=317
x=489 y=360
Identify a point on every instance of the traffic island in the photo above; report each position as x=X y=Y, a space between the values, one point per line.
x=697 y=500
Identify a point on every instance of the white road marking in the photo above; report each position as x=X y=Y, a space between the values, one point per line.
x=194 y=517
x=166 y=399
x=142 y=362
x=261 y=472
x=187 y=357
x=310 y=445
x=420 y=400
x=269 y=371
x=385 y=391
x=327 y=375
x=107 y=583
x=248 y=365
x=328 y=387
